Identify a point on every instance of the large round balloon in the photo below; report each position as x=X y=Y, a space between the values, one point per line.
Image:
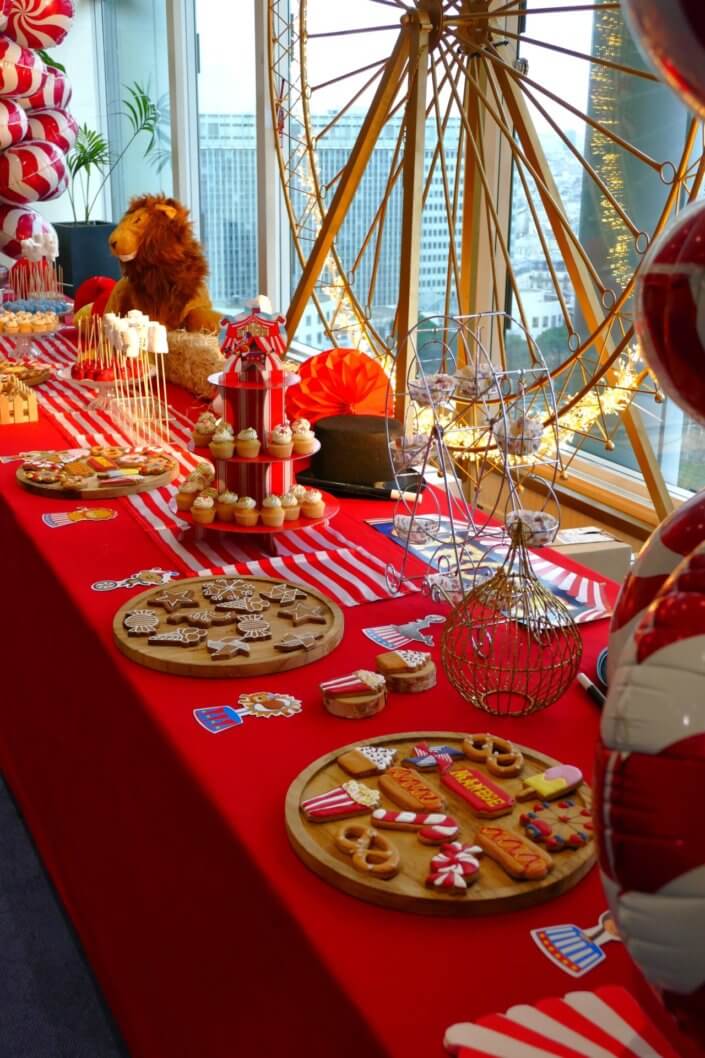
x=676 y=537
x=21 y=71
x=33 y=171
x=650 y=791
x=18 y=223
x=670 y=310
x=671 y=35
x=13 y=123
x=54 y=125
x=54 y=92
x=39 y=23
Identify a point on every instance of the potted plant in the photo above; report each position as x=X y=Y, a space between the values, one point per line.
x=83 y=242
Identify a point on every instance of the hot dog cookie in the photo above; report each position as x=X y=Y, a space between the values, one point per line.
x=434 y=828
x=518 y=856
x=371 y=852
x=407 y=790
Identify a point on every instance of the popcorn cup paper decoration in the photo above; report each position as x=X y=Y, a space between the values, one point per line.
x=18 y=223
x=13 y=123
x=671 y=36
x=39 y=23
x=52 y=125
x=33 y=171
x=338 y=382
x=22 y=72
x=54 y=92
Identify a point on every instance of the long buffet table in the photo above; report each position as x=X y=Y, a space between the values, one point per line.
x=167 y=845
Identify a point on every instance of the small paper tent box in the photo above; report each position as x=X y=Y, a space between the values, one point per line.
x=256 y=342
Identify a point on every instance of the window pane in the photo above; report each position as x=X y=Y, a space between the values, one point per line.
x=135 y=37
x=227 y=149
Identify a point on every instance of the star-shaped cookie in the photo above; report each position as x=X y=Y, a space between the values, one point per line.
x=230 y=647
x=301 y=615
x=173 y=599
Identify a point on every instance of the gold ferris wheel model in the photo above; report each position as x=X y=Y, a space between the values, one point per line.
x=446 y=89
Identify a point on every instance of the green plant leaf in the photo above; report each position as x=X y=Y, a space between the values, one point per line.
x=46 y=58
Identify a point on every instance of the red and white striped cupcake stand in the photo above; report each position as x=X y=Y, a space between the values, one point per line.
x=253 y=394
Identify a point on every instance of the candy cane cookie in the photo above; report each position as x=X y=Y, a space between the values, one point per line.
x=433 y=828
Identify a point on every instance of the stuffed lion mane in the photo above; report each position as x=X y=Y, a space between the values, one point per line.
x=164 y=269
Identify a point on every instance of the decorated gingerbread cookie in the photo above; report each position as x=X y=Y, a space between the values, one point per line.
x=366 y=760
x=269 y=704
x=297 y=641
x=434 y=828
x=351 y=799
x=372 y=853
x=454 y=868
x=500 y=757
x=172 y=599
x=179 y=637
x=301 y=615
x=200 y=618
x=407 y=671
x=558 y=781
x=253 y=627
x=283 y=594
x=141 y=622
x=426 y=758
x=245 y=604
x=518 y=856
x=227 y=648
x=559 y=826
x=484 y=797
x=406 y=789
x=225 y=589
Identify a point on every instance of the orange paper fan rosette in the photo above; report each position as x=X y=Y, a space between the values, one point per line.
x=338 y=382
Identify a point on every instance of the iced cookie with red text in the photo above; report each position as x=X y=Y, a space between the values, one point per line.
x=454 y=868
x=351 y=799
x=485 y=798
x=434 y=828
x=372 y=853
x=559 y=826
x=518 y=856
x=355 y=696
x=500 y=757
x=407 y=671
x=366 y=760
x=558 y=781
x=406 y=789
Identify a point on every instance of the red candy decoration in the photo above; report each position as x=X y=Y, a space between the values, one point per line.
x=18 y=223
x=671 y=35
x=21 y=71
x=33 y=171
x=54 y=92
x=53 y=125
x=39 y=23
x=13 y=123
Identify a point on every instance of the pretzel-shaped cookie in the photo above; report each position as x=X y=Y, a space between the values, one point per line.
x=371 y=852
x=500 y=757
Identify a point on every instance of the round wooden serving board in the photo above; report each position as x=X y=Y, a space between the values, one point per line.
x=264 y=658
x=493 y=892
x=93 y=491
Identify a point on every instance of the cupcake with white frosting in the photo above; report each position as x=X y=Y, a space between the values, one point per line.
x=246 y=512
x=281 y=442
x=272 y=513
x=248 y=443
x=203 y=510
x=304 y=438
x=225 y=506
x=291 y=506
x=313 y=505
x=222 y=443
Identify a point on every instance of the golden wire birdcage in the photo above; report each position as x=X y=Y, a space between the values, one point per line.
x=511 y=647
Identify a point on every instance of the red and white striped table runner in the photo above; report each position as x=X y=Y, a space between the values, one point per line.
x=320 y=557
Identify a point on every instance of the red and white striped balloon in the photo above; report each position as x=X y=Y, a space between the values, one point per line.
x=18 y=223
x=39 y=23
x=33 y=171
x=21 y=71
x=13 y=123
x=4 y=12
x=53 y=125
x=54 y=92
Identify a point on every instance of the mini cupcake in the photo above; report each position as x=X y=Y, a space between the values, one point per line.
x=313 y=505
x=222 y=444
x=246 y=512
x=203 y=510
x=248 y=443
x=299 y=491
x=204 y=429
x=281 y=442
x=272 y=512
x=205 y=471
x=300 y=424
x=209 y=491
x=304 y=440
x=188 y=490
x=291 y=506
x=225 y=506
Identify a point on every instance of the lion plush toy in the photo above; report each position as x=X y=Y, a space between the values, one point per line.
x=164 y=270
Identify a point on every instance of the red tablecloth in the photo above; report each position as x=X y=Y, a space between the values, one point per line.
x=167 y=844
